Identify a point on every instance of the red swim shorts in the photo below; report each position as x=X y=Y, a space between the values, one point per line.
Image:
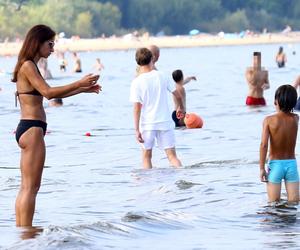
x=255 y=101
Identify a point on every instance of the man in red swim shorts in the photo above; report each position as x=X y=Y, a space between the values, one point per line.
x=258 y=81
x=255 y=101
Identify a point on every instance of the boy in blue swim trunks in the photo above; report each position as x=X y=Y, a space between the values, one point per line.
x=281 y=130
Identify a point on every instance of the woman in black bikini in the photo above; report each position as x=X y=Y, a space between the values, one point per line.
x=31 y=88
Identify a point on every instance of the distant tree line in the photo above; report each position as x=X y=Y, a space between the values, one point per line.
x=94 y=18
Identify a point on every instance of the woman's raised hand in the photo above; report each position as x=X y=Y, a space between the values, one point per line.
x=92 y=89
x=88 y=80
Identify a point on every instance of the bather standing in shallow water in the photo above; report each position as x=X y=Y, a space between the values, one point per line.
x=281 y=58
x=258 y=81
x=31 y=88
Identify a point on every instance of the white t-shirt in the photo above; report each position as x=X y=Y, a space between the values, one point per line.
x=151 y=90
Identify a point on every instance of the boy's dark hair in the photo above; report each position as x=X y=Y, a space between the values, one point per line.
x=143 y=56
x=177 y=75
x=256 y=53
x=286 y=97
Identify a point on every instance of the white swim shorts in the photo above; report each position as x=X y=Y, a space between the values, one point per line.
x=165 y=139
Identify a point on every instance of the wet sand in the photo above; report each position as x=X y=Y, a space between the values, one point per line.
x=121 y=43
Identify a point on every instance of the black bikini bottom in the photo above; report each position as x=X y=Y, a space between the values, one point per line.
x=24 y=125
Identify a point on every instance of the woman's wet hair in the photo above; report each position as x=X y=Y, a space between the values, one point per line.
x=35 y=37
x=177 y=75
x=143 y=56
x=286 y=97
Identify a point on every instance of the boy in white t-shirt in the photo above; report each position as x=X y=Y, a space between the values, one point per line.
x=152 y=114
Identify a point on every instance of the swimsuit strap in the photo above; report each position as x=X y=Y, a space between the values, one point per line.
x=32 y=92
x=37 y=68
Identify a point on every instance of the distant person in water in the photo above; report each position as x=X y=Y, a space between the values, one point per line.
x=56 y=102
x=43 y=67
x=31 y=88
x=280 y=130
x=258 y=81
x=297 y=87
x=152 y=114
x=281 y=58
x=77 y=63
x=155 y=53
x=180 y=82
x=62 y=62
x=98 y=65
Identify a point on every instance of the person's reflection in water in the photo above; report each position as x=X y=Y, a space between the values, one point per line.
x=280 y=213
x=280 y=219
x=30 y=232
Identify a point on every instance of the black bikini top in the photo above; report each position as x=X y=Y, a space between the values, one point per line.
x=32 y=92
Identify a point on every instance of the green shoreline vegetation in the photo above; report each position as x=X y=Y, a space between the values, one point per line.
x=91 y=18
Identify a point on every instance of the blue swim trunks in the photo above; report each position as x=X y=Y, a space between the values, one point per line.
x=283 y=169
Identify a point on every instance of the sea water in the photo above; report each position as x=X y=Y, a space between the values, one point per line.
x=95 y=194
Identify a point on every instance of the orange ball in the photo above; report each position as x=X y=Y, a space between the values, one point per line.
x=193 y=120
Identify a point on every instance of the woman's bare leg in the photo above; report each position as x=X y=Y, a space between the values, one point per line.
x=32 y=162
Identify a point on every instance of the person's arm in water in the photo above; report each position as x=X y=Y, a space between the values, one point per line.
x=188 y=79
x=137 y=107
x=40 y=84
x=264 y=150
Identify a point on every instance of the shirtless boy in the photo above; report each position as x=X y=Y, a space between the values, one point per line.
x=258 y=81
x=280 y=129
x=180 y=82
